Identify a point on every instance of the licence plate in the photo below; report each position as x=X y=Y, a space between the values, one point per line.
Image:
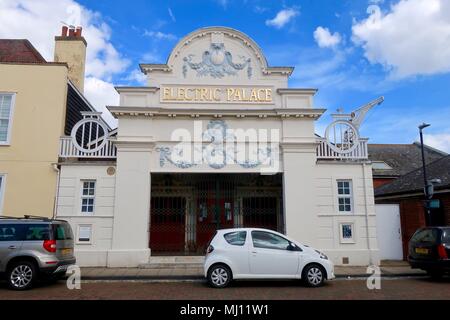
x=66 y=251
x=422 y=251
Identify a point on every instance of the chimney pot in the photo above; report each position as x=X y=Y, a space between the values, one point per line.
x=64 y=31
x=71 y=32
x=78 y=32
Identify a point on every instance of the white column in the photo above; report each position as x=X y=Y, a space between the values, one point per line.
x=298 y=189
x=130 y=240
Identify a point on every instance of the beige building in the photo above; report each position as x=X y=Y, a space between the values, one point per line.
x=39 y=102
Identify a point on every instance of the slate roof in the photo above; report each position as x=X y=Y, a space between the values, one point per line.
x=403 y=158
x=413 y=181
x=19 y=51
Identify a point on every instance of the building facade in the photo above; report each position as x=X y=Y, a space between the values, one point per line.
x=40 y=101
x=216 y=139
x=407 y=193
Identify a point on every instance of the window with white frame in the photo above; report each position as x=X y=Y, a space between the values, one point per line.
x=347 y=233
x=344 y=190
x=6 y=106
x=84 y=234
x=2 y=190
x=88 y=197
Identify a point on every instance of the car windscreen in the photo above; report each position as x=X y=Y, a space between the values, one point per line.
x=62 y=231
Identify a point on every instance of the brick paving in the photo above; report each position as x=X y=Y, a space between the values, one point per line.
x=394 y=288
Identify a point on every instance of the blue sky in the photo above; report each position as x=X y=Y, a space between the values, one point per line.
x=353 y=51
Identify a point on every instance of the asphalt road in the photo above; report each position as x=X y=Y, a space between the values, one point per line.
x=342 y=289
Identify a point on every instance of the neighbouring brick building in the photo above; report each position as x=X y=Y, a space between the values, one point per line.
x=407 y=191
x=391 y=161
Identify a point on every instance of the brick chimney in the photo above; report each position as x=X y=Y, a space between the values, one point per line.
x=70 y=48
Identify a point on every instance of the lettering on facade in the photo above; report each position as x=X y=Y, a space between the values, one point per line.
x=216 y=94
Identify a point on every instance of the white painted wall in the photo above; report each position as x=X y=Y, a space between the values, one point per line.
x=69 y=208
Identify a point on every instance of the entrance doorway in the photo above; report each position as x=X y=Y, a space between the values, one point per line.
x=389 y=232
x=187 y=209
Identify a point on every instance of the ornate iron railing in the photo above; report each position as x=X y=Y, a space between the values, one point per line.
x=324 y=151
x=67 y=149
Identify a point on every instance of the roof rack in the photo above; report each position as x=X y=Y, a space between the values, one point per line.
x=29 y=216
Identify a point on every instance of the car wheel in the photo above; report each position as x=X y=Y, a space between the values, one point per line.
x=219 y=276
x=21 y=275
x=313 y=275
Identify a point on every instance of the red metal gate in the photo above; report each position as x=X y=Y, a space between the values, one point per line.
x=187 y=209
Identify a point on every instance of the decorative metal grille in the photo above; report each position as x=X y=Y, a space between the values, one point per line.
x=187 y=209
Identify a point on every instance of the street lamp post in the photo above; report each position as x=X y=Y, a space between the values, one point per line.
x=424 y=170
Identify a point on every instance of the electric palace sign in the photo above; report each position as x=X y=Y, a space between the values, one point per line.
x=219 y=94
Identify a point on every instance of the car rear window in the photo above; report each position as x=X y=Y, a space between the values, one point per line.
x=236 y=238
x=446 y=236
x=426 y=235
x=62 y=231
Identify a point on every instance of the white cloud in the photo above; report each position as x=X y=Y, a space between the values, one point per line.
x=438 y=141
x=137 y=76
x=410 y=39
x=282 y=18
x=159 y=35
x=325 y=39
x=101 y=94
x=223 y=3
x=172 y=16
x=39 y=21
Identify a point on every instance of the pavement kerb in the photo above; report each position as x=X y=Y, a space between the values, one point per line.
x=196 y=278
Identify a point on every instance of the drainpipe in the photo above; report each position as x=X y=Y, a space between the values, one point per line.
x=58 y=177
x=366 y=212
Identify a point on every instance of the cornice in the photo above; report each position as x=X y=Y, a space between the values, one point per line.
x=216 y=113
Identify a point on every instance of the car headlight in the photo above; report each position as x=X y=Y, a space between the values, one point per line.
x=322 y=255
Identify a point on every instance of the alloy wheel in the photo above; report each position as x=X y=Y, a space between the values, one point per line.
x=21 y=276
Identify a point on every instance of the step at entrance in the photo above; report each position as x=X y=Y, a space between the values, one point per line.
x=174 y=262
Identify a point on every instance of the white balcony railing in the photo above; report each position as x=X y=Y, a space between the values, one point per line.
x=68 y=150
x=325 y=152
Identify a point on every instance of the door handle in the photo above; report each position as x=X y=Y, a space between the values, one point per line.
x=254 y=252
x=12 y=247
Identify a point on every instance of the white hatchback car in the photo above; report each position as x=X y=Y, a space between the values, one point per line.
x=250 y=253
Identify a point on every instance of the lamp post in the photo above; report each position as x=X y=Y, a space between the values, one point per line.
x=424 y=170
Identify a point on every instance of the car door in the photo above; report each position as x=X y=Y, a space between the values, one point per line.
x=237 y=251
x=269 y=256
x=10 y=243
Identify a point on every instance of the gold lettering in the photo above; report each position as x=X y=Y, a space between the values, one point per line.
x=187 y=97
x=254 y=96
x=238 y=94
x=230 y=93
x=166 y=94
x=269 y=95
x=217 y=94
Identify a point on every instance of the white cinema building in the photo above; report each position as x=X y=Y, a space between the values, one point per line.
x=216 y=140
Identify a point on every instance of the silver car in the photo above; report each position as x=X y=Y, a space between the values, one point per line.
x=32 y=248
